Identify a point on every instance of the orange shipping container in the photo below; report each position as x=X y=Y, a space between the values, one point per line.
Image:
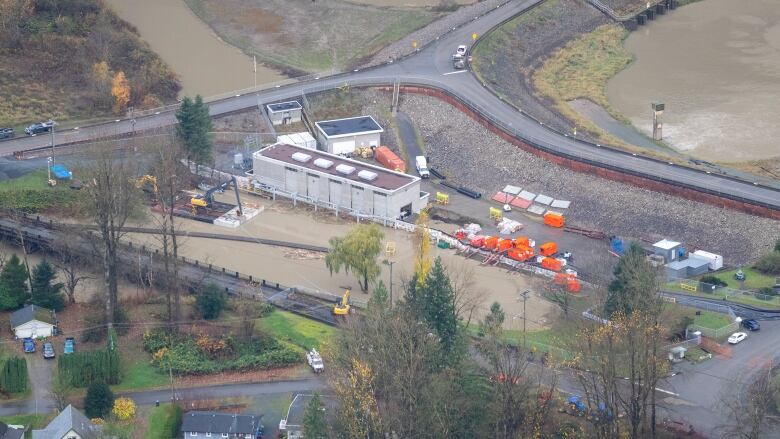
x=551 y=264
x=553 y=219
x=389 y=159
x=548 y=248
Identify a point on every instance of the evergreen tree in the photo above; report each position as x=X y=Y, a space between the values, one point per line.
x=99 y=400
x=493 y=321
x=434 y=304
x=635 y=284
x=314 y=424
x=193 y=129
x=45 y=293
x=13 y=284
x=210 y=301
x=379 y=299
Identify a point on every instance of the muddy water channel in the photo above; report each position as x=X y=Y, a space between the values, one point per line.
x=205 y=64
x=716 y=65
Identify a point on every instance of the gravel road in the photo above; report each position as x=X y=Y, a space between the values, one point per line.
x=475 y=157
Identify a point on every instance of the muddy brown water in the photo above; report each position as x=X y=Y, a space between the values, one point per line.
x=716 y=65
x=206 y=65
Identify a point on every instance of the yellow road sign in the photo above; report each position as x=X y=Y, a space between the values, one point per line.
x=473 y=36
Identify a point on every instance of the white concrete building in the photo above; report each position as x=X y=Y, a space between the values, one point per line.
x=284 y=113
x=342 y=136
x=338 y=183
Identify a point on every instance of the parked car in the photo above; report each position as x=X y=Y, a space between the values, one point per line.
x=461 y=50
x=739 y=275
x=315 y=361
x=70 y=346
x=751 y=325
x=48 y=350
x=5 y=133
x=40 y=127
x=737 y=337
x=29 y=345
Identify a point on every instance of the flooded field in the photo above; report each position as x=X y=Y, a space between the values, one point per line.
x=206 y=64
x=716 y=65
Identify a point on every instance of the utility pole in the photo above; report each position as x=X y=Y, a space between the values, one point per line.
x=524 y=295
x=390 y=263
x=254 y=67
x=658 y=111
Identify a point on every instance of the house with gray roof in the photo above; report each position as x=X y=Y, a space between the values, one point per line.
x=202 y=424
x=69 y=424
x=11 y=431
x=32 y=321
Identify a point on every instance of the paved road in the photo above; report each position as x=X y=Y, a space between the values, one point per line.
x=431 y=67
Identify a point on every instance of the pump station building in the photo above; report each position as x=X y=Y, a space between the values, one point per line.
x=338 y=183
x=342 y=136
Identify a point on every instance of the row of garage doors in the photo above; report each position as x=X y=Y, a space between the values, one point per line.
x=338 y=192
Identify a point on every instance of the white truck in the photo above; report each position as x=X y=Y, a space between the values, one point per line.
x=315 y=361
x=422 y=166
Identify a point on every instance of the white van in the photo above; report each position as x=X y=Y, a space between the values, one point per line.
x=422 y=166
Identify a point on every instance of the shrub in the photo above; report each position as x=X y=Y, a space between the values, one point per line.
x=80 y=369
x=769 y=263
x=96 y=323
x=99 y=400
x=156 y=339
x=124 y=409
x=13 y=375
x=210 y=301
x=769 y=292
x=713 y=280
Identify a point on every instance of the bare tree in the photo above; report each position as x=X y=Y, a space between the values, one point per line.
x=112 y=200
x=468 y=298
x=749 y=407
x=70 y=259
x=60 y=389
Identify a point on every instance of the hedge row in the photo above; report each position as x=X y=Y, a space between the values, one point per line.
x=13 y=375
x=82 y=368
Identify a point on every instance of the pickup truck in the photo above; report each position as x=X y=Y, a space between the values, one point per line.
x=315 y=361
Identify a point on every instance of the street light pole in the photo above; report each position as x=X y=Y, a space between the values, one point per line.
x=390 y=263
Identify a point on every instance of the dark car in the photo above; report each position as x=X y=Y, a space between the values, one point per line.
x=40 y=127
x=751 y=325
x=5 y=133
x=48 y=350
x=70 y=346
x=29 y=345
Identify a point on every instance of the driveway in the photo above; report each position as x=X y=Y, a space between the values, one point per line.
x=40 y=372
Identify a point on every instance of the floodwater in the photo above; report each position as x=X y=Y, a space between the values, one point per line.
x=206 y=65
x=716 y=66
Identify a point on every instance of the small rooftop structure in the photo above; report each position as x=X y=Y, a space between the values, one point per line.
x=670 y=250
x=70 y=423
x=666 y=244
x=350 y=126
x=283 y=106
x=283 y=113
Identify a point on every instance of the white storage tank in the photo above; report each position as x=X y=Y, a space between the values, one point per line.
x=716 y=261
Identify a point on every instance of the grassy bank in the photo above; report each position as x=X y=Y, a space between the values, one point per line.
x=580 y=70
x=304 y=36
x=31 y=193
x=48 y=57
x=295 y=329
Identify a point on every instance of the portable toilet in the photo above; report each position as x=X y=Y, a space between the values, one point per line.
x=548 y=248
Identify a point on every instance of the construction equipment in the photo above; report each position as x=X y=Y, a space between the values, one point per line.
x=315 y=361
x=342 y=308
x=207 y=199
x=148 y=183
x=442 y=198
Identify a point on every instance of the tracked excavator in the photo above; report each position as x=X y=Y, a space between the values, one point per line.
x=206 y=200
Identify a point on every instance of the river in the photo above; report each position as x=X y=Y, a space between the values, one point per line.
x=206 y=64
x=716 y=66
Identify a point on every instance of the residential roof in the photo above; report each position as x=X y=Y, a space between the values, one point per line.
x=385 y=178
x=68 y=419
x=216 y=422
x=349 y=126
x=666 y=244
x=6 y=432
x=29 y=313
x=283 y=106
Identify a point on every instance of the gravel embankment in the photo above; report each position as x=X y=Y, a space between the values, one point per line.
x=479 y=159
x=508 y=57
x=429 y=33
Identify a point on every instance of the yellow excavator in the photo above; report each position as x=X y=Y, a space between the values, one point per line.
x=147 y=183
x=342 y=308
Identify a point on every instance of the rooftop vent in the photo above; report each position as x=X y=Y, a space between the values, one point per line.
x=367 y=175
x=301 y=157
x=323 y=163
x=345 y=169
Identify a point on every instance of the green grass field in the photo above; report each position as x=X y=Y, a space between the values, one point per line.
x=712 y=320
x=720 y=294
x=31 y=193
x=141 y=374
x=295 y=329
x=754 y=279
x=163 y=422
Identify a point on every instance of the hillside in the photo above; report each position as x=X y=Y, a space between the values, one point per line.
x=64 y=59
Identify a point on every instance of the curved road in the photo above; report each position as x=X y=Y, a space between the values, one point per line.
x=431 y=67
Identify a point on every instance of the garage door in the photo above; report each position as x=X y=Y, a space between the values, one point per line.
x=357 y=198
x=334 y=192
x=291 y=180
x=347 y=147
x=380 y=204
x=312 y=186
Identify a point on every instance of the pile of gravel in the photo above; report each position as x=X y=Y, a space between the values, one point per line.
x=477 y=158
x=429 y=33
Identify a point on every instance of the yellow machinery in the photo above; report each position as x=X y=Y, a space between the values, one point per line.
x=442 y=198
x=144 y=180
x=496 y=214
x=342 y=308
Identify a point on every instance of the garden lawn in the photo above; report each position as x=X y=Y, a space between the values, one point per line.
x=295 y=329
x=141 y=374
x=754 y=279
x=163 y=422
x=711 y=320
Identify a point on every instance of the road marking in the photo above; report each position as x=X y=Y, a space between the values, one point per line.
x=667 y=392
x=452 y=73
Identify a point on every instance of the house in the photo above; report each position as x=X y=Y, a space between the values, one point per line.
x=11 y=431
x=69 y=424
x=32 y=321
x=199 y=424
x=342 y=136
x=283 y=113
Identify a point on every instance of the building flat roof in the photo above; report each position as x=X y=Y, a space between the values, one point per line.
x=283 y=106
x=349 y=126
x=666 y=244
x=385 y=178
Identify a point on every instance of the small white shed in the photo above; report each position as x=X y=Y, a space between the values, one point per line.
x=32 y=322
x=343 y=136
